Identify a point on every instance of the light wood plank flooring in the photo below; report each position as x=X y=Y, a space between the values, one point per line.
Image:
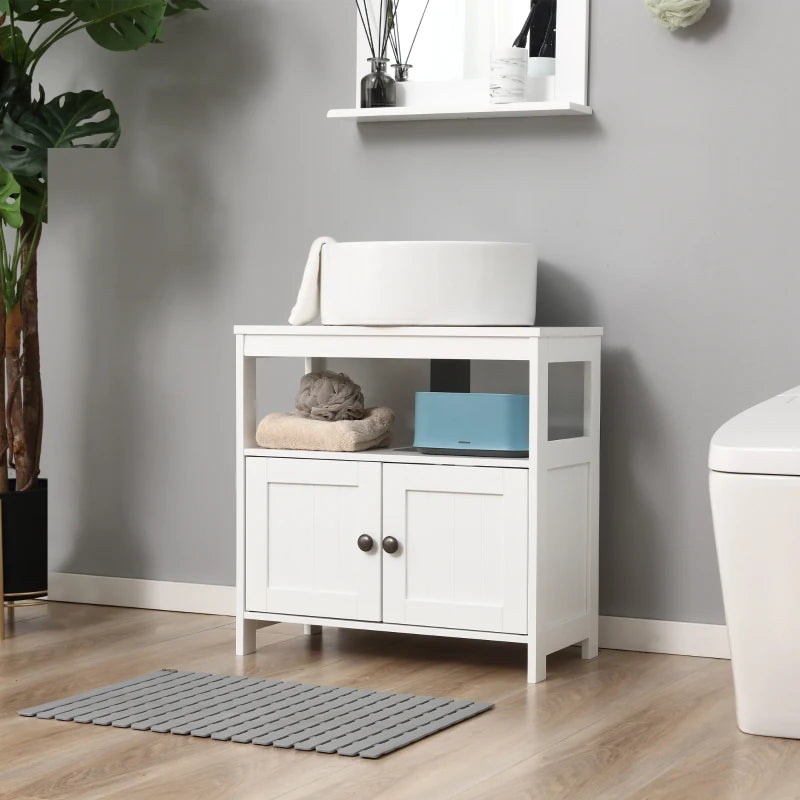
x=627 y=725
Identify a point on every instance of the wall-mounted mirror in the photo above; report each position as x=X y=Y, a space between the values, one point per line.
x=456 y=37
x=452 y=54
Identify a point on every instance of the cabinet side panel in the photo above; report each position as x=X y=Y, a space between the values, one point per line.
x=564 y=545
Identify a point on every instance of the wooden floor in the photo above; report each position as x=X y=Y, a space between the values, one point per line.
x=627 y=725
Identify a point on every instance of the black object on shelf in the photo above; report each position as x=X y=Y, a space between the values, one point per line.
x=378 y=89
x=450 y=375
x=542 y=28
x=522 y=39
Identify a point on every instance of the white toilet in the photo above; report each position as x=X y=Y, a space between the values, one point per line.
x=755 y=500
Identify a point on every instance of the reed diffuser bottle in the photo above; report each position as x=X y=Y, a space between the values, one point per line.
x=378 y=88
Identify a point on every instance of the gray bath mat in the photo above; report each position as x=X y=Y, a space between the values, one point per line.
x=350 y=722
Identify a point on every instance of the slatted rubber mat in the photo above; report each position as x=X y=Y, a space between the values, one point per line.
x=350 y=722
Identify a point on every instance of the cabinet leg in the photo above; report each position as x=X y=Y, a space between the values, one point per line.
x=537 y=664
x=245 y=636
x=312 y=630
x=589 y=648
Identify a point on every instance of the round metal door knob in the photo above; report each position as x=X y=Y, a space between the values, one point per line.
x=365 y=542
x=390 y=545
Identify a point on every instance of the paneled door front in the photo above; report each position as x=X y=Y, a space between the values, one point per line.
x=313 y=537
x=455 y=547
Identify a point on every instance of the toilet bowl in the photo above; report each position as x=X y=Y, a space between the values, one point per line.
x=754 y=463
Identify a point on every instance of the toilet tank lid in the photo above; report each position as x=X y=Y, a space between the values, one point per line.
x=764 y=440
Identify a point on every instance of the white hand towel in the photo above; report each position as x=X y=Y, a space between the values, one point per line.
x=306 y=307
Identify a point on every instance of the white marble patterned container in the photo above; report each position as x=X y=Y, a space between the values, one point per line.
x=508 y=74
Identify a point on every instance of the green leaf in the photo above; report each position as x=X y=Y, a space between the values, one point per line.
x=82 y=119
x=41 y=10
x=15 y=88
x=10 y=211
x=176 y=6
x=121 y=24
x=4 y=7
x=34 y=196
x=13 y=47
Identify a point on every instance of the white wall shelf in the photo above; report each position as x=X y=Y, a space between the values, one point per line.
x=549 y=108
x=468 y=98
x=486 y=548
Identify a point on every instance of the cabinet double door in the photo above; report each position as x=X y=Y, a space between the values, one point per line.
x=422 y=545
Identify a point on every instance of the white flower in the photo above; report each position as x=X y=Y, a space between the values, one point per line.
x=674 y=14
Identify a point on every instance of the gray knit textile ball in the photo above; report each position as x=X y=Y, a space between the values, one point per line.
x=330 y=396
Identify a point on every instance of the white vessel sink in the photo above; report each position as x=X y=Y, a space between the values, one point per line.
x=428 y=283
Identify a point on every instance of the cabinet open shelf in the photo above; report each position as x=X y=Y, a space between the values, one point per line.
x=545 y=108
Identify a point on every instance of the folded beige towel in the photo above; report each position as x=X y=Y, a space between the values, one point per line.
x=282 y=431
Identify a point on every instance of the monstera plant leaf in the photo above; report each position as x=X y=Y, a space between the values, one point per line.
x=74 y=119
x=10 y=212
x=13 y=47
x=176 y=6
x=33 y=199
x=40 y=10
x=121 y=24
x=15 y=86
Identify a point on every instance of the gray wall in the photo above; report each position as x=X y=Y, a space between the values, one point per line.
x=668 y=218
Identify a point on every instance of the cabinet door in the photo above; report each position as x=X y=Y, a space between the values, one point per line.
x=303 y=522
x=462 y=556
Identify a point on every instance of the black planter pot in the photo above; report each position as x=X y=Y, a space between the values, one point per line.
x=24 y=542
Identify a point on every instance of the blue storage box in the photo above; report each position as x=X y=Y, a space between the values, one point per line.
x=471 y=424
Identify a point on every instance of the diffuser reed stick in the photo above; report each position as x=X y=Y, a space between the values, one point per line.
x=419 y=25
x=366 y=26
x=394 y=32
x=380 y=32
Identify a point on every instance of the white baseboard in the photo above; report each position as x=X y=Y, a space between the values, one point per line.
x=198 y=598
x=663 y=636
x=616 y=633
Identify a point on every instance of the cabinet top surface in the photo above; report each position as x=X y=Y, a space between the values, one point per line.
x=463 y=332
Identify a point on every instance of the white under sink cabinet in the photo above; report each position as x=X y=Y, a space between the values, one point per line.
x=503 y=549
